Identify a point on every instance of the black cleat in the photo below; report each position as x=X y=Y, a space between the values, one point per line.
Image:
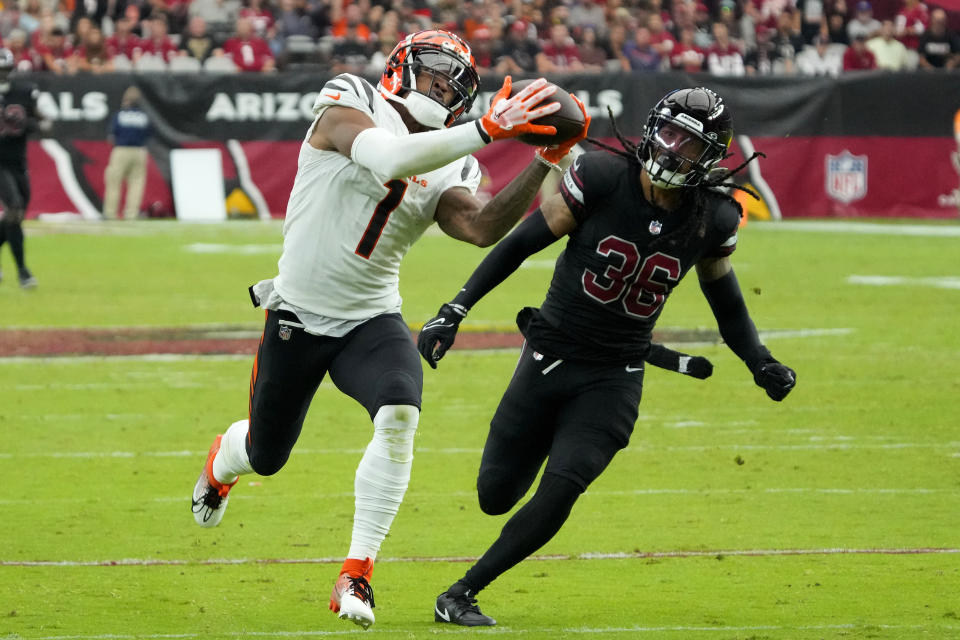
x=27 y=281
x=461 y=610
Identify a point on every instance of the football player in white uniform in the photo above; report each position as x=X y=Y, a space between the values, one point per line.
x=376 y=168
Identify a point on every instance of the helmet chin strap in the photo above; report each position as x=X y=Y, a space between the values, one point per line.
x=424 y=110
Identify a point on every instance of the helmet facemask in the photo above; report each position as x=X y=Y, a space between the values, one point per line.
x=433 y=66
x=676 y=152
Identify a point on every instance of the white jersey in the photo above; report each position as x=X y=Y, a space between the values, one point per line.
x=347 y=228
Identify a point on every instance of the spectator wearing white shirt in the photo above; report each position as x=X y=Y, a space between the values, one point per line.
x=891 y=54
x=820 y=59
x=863 y=23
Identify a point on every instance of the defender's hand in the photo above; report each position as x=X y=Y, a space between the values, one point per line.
x=557 y=152
x=510 y=117
x=777 y=379
x=696 y=366
x=438 y=334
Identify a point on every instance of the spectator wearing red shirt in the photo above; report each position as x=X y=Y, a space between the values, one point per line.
x=687 y=56
x=159 y=43
x=260 y=16
x=24 y=57
x=55 y=51
x=124 y=42
x=857 y=57
x=247 y=51
x=92 y=56
x=559 y=53
x=482 y=46
x=660 y=38
x=724 y=58
x=911 y=22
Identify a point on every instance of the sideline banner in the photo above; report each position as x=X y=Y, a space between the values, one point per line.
x=865 y=144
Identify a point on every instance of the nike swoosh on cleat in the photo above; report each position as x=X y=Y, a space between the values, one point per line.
x=443 y=614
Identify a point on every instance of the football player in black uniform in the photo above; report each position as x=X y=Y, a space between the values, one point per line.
x=18 y=118
x=636 y=220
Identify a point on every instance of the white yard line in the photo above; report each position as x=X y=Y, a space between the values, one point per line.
x=937 y=282
x=871 y=228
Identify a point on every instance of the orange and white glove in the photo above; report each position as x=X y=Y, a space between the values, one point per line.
x=511 y=117
x=557 y=152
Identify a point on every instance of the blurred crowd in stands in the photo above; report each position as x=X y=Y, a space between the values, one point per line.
x=520 y=37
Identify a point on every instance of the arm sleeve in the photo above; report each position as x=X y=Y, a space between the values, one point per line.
x=530 y=236
x=386 y=154
x=733 y=320
x=393 y=156
x=661 y=356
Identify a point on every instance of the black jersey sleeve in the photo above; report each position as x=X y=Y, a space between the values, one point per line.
x=589 y=179
x=725 y=214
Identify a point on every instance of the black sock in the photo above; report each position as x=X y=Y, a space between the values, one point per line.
x=460 y=588
x=529 y=529
x=14 y=235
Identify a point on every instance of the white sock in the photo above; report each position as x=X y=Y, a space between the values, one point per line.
x=232 y=460
x=382 y=478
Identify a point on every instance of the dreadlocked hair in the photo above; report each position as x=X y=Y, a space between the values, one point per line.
x=694 y=197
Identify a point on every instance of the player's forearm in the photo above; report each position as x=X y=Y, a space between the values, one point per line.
x=733 y=320
x=531 y=236
x=501 y=213
x=393 y=156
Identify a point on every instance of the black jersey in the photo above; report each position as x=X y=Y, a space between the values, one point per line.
x=622 y=261
x=18 y=112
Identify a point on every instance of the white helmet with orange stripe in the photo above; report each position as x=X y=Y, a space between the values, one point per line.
x=446 y=58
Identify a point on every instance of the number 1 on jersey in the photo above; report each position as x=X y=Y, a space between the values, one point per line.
x=396 y=189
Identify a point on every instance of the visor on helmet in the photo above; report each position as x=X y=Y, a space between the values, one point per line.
x=676 y=153
x=458 y=76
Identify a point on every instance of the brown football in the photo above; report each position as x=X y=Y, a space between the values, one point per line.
x=568 y=120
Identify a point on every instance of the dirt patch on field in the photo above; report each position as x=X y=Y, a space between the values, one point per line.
x=216 y=341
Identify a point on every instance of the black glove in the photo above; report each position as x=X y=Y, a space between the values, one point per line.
x=696 y=366
x=438 y=334
x=777 y=379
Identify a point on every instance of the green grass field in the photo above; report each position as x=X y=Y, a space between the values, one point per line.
x=835 y=514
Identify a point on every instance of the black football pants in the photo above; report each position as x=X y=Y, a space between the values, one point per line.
x=376 y=364
x=574 y=415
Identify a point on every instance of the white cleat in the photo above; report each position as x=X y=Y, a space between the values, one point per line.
x=352 y=598
x=209 y=496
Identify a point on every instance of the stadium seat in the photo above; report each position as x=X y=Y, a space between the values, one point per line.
x=911 y=60
x=185 y=64
x=122 y=64
x=149 y=63
x=220 y=64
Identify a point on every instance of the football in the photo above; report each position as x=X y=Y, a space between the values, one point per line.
x=568 y=120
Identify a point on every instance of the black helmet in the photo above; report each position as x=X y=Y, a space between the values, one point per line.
x=687 y=133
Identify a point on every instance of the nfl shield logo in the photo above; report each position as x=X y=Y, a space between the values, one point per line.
x=655 y=227
x=285 y=332
x=846 y=177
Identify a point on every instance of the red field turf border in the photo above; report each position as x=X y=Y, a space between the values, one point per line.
x=217 y=340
